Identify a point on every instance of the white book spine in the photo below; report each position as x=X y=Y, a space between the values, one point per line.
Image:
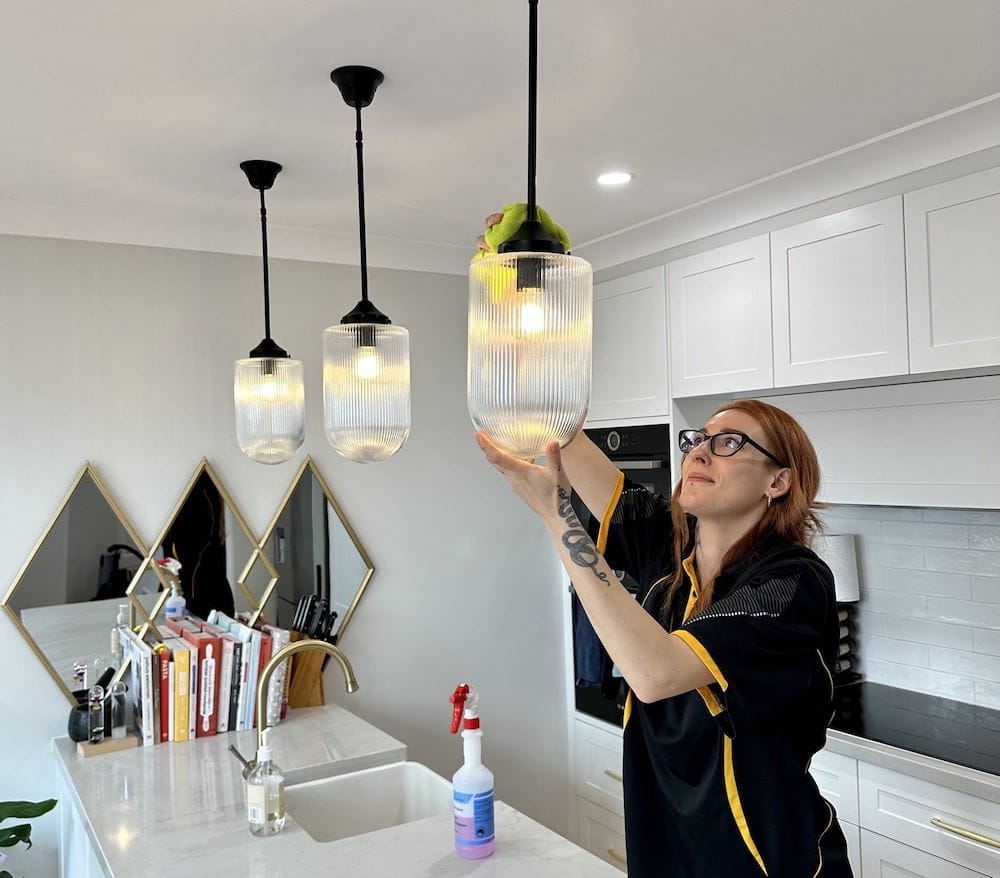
x=148 y=731
x=170 y=702
x=244 y=675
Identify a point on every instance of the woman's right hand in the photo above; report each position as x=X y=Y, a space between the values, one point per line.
x=491 y=221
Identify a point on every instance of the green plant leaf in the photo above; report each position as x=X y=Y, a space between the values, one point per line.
x=25 y=810
x=12 y=835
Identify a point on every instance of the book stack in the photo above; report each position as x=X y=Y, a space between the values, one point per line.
x=201 y=679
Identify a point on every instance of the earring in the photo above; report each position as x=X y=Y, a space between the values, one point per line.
x=768 y=497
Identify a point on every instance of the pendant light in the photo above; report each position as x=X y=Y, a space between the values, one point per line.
x=530 y=325
x=268 y=387
x=366 y=360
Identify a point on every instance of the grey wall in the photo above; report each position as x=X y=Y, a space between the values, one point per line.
x=124 y=356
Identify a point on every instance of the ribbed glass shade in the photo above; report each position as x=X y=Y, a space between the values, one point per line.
x=270 y=408
x=366 y=389
x=530 y=339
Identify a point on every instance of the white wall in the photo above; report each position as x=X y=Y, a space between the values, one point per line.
x=123 y=355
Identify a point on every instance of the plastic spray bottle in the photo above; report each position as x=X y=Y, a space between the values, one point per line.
x=175 y=607
x=472 y=784
x=265 y=793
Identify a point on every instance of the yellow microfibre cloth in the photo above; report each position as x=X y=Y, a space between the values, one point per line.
x=513 y=216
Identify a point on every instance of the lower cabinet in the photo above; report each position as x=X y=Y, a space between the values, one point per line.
x=853 y=835
x=601 y=832
x=77 y=858
x=883 y=857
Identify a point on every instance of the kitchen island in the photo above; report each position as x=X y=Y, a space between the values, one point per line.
x=180 y=809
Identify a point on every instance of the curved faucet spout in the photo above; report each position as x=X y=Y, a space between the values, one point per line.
x=350 y=683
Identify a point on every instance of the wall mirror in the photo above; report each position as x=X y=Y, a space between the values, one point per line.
x=314 y=550
x=65 y=598
x=216 y=549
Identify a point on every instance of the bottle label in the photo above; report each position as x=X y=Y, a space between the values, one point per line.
x=257 y=803
x=473 y=818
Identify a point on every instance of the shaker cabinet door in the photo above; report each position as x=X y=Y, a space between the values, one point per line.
x=838 y=297
x=953 y=273
x=630 y=349
x=720 y=320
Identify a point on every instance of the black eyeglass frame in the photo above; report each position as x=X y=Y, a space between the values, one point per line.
x=710 y=438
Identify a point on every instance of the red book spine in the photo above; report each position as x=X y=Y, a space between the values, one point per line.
x=209 y=668
x=164 y=657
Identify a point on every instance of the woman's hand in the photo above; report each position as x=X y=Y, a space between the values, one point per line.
x=543 y=488
x=491 y=221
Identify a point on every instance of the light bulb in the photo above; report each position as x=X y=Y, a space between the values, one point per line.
x=532 y=316
x=270 y=388
x=366 y=362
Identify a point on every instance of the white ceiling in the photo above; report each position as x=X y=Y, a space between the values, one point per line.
x=147 y=109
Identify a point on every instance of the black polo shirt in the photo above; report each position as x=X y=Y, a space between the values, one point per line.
x=716 y=780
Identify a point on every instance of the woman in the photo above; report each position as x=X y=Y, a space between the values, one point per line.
x=727 y=656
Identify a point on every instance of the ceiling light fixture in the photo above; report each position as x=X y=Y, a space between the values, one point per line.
x=530 y=324
x=366 y=360
x=268 y=387
x=615 y=178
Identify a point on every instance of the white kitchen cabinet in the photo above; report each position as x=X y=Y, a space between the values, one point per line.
x=885 y=858
x=853 y=835
x=77 y=857
x=720 y=320
x=599 y=766
x=837 y=779
x=838 y=297
x=953 y=273
x=630 y=349
x=601 y=832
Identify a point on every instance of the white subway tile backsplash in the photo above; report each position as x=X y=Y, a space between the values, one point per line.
x=984 y=640
x=899 y=651
x=985 y=589
x=974 y=561
x=895 y=604
x=972 y=664
x=862 y=528
x=921 y=533
x=886 y=555
x=932 y=583
x=933 y=682
x=875 y=670
x=961 y=516
x=871 y=624
x=875 y=513
x=985 y=537
x=987 y=694
x=930 y=633
x=963 y=612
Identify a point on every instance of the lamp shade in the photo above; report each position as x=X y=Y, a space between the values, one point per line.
x=270 y=407
x=530 y=340
x=838 y=551
x=366 y=389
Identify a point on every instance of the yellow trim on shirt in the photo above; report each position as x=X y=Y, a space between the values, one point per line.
x=703 y=654
x=688 y=565
x=628 y=708
x=711 y=702
x=602 y=534
x=734 y=801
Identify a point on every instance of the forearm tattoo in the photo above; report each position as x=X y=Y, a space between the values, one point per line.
x=580 y=546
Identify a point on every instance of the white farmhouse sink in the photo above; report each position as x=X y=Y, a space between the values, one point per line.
x=366 y=800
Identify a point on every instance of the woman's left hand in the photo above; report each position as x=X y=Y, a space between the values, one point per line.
x=541 y=487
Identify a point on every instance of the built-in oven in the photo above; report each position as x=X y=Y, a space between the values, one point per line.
x=643 y=454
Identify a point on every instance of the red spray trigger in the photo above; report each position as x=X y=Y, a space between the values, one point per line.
x=457 y=698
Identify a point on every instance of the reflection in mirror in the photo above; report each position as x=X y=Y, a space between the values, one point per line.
x=255 y=586
x=210 y=539
x=66 y=598
x=314 y=550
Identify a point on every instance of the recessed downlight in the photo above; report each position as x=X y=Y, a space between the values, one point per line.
x=615 y=178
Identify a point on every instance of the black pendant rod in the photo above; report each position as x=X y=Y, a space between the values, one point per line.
x=267 y=289
x=361 y=204
x=532 y=103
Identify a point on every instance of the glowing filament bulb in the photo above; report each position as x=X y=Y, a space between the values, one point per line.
x=532 y=317
x=366 y=362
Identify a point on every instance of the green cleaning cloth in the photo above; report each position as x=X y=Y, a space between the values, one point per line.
x=513 y=216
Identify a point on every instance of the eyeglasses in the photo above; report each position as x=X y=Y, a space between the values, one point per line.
x=721 y=444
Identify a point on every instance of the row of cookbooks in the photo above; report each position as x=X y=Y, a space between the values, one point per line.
x=201 y=679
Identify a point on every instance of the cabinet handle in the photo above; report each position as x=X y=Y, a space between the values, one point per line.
x=966 y=833
x=614 y=775
x=616 y=856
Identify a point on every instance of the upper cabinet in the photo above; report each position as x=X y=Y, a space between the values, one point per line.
x=720 y=320
x=838 y=297
x=630 y=349
x=953 y=273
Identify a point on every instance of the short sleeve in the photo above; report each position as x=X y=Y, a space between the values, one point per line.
x=636 y=531
x=762 y=643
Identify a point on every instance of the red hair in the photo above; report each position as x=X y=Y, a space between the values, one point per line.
x=791 y=517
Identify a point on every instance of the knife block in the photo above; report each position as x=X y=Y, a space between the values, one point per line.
x=305 y=677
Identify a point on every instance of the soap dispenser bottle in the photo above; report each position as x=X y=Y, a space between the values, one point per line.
x=265 y=793
x=472 y=784
x=175 y=607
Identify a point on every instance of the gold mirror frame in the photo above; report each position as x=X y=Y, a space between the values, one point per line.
x=309 y=466
x=85 y=471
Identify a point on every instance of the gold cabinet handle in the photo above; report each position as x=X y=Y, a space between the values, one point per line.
x=617 y=857
x=966 y=833
x=614 y=775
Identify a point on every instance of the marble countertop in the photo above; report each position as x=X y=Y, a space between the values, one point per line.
x=182 y=807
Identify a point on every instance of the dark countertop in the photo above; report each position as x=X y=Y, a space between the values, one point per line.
x=964 y=734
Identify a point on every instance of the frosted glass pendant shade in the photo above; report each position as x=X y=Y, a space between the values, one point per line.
x=270 y=408
x=530 y=340
x=366 y=389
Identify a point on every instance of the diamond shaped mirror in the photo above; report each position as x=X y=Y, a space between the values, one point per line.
x=65 y=599
x=210 y=538
x=315 y=551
